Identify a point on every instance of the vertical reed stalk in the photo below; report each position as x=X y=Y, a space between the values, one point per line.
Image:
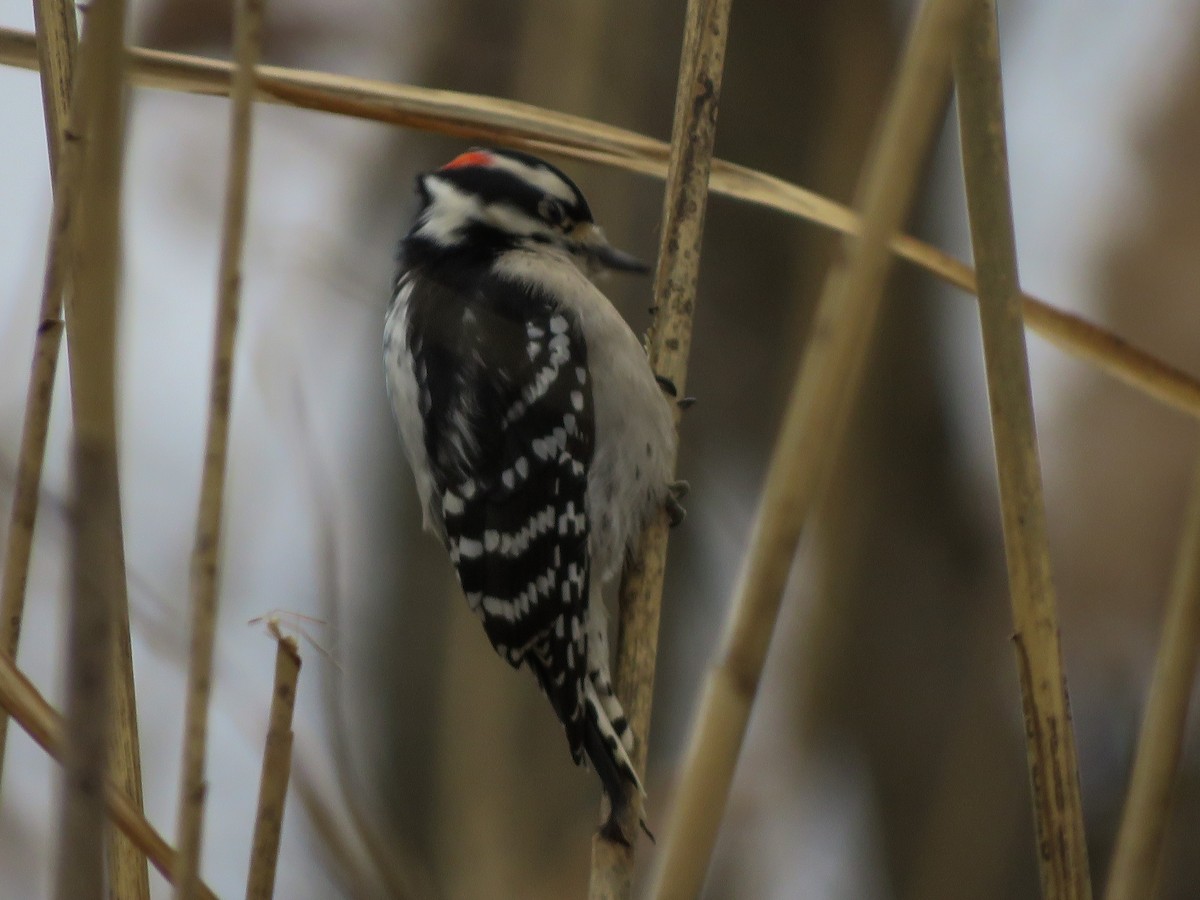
x=276 y=770
x=814 y=422
x=56 y=30
x=1050 y=737
x=206 y=552
x=701 y=69
x=95 y=549
x=56 y=41
x=1134 y=870
x=54 y=23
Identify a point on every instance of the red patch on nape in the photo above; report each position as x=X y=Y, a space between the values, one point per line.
x=470 y=158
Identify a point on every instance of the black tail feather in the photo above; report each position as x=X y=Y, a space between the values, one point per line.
x=617 y=786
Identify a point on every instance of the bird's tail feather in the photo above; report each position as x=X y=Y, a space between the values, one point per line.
x=606 y=750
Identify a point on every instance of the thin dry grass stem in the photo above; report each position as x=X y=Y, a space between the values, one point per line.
x=1050 y=738
x=128 y=875
x=276 y=770
x=127 y=871
x=701 y=68
x=808 y=442
x=205 y=565
x=66 y=166
x=22 y=701
x=57 y=37
x=488 y=119
x=95 y=543
x=1134 y=871
x=56 y=44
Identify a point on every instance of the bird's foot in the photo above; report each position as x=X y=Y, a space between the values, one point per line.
x=676 y=492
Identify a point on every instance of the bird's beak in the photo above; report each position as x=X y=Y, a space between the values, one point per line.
x=600 y=254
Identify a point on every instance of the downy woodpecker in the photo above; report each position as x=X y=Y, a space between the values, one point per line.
x=538 y=435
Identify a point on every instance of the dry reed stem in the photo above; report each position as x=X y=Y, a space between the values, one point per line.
x=127 y=873
x=55 y=49
x=808 y=442
x=1050 y=737
x=276 y=770
x=57 y=40
x=205 y=567
x=521 y=125
x=128 y=876
x=702 y=64
x=21 y=700
x=54 y=24
x=1134 y=871
x=95 y=547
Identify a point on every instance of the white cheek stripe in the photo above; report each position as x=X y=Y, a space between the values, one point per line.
x=448 y=211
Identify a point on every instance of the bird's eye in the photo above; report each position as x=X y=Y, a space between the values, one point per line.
x=552 y=211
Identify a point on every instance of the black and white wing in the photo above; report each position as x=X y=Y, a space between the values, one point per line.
x=509 y=432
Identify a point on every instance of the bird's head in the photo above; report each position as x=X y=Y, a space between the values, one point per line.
x=490 y=200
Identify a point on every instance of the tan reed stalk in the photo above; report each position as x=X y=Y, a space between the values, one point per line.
x=57 y=37
x=95 y=569
x=55 y=46
x=276 y=770
x=701 y=67
x=815 y=419
x=1050 y=736
x=22 y=701
x=205 y=568
x=127 y=872
x=520 y=125
x=56 y=42
x=128 y=875
x=1134 y=871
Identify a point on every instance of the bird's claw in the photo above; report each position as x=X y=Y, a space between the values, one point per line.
x=686 y=403
x=667 y=385
x=676 y=491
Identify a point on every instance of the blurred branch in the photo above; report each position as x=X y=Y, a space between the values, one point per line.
x=1050 y=736
x=1138 y=851
x=377 y=864
x=38 y=718
x=276 y=768
x=506 y=122
x=693 y=134
x=57 y=40
x=206 y=552
x=808 y=442
x=95 y=545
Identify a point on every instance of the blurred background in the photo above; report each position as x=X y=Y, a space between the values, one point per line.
x=885 y=759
